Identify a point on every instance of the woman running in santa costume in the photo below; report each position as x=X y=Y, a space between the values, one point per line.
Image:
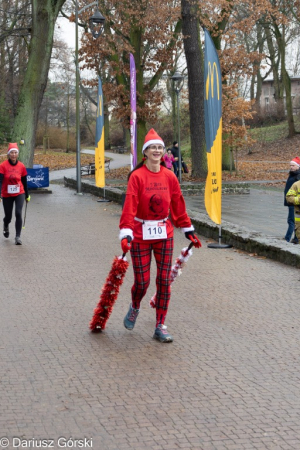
x=13 y=189
x=153 y=193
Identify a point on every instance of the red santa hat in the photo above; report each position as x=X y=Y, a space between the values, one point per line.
x=296 y=161
x=152 y=138
x=11 y=147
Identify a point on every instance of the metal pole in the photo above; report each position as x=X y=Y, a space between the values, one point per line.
x=178 y=133
x=78 y=164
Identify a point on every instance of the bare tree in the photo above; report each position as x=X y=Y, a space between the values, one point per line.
x=43 y=17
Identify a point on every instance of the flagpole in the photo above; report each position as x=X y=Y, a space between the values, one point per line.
x=78 y=168
x=178 y=81
x=219 y=245
x=103 y=200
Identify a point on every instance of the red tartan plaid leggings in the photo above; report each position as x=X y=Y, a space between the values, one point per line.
x=141 y=261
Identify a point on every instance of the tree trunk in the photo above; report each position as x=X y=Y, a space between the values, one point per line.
x=44 y=15
x=227 y=160
x=136 y=38
x=106 y=126
x=280 y=37
x=68 y=120
x=260 y=46
x=278 y=91
x=194 y=58
x=289 y=103
x=127 y=138
x=141 y=133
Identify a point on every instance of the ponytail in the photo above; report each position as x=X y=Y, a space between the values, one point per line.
x=138 y=166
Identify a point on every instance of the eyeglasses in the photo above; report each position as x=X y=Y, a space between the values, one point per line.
x=156 y=147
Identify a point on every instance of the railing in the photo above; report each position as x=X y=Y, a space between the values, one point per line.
x=89 y=169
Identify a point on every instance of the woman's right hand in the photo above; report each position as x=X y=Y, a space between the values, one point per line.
x=126 y=244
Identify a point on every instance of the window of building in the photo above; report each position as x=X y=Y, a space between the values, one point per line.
x=267 y=103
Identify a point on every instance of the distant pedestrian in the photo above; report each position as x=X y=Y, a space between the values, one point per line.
x=169 y=159
x=154 y=202
x=14 y=190
x=294 y=175
x=175 y=153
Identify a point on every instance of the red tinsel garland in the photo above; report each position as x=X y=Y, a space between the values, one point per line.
x=176 y=269
x=109 y=294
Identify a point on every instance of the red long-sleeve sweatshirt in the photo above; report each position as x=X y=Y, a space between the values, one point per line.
x=153 y=196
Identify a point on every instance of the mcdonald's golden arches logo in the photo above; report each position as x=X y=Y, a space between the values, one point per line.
x=210 y=80
x=100 y=106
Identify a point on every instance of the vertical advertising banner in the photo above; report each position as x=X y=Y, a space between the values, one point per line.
x=133 y=130
x=213 y=130
x=99 y=141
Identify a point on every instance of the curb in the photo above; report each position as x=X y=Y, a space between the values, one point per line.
x=239 y=237
x=113 y=194
x=249 y=241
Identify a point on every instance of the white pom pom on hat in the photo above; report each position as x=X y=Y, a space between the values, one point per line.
x=11 y=147
x=296 y=161
x=152 y=138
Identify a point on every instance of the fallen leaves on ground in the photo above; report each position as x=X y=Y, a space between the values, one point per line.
x=118 y=174
x=263 y=162
x=57 y=160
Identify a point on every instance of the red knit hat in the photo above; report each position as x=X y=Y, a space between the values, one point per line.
x=11 y=147
x=152 y=138
x=296 y=161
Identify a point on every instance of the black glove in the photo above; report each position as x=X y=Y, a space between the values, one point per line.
x=192 y=237
x=126 y=243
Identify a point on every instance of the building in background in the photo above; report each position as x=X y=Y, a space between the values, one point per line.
x=268 y=102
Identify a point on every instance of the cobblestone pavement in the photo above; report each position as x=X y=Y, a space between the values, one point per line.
x=230 y=380
x=260 y=211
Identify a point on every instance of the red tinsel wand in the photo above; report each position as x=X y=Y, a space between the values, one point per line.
x=109 y=293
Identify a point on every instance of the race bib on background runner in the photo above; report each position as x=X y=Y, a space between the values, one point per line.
x=13 y=188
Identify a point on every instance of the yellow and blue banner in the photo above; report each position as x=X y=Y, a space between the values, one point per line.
x=99 y=140
x=213 y=130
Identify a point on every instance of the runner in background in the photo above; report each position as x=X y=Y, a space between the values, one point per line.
x=294 y=175
x=169 y=159
x=175 y=153
x=13 y=188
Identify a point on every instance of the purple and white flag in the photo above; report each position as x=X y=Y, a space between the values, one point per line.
x=133 y=129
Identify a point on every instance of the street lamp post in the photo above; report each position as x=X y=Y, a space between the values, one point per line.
x=97 y=20
x=178 y=80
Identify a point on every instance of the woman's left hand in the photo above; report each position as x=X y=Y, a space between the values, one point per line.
x=192 y=237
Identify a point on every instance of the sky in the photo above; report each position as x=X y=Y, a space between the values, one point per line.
x=66 y=31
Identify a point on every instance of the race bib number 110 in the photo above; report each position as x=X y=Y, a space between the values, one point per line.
x=154 y=230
